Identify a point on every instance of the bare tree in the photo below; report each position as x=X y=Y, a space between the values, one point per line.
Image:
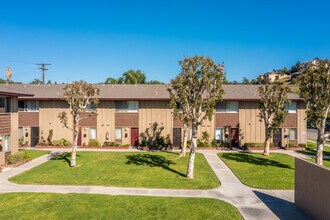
x=314 y=86
x=200 y=84
x=78 y=95
x=273 y=98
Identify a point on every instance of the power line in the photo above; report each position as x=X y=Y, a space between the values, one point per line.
x=43 y=68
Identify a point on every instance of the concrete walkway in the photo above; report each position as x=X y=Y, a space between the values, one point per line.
x=252 y=203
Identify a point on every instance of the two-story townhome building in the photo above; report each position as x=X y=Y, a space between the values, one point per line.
x=127 y=112
x=8 y=121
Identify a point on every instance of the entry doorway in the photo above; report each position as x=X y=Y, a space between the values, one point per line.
x=134 y=137
x=277 y=139
x=79 y=138
x=177 y=137
x=234 y=137
x=34 y=136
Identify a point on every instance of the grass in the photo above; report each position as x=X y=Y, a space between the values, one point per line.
x=273 y=172
x=151 y=170
x=326 y=163
x=311 y=149
x=35 y=153
x=89 y=206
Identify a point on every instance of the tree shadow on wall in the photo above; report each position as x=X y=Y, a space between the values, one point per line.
x=151 y=160
x=152 y=133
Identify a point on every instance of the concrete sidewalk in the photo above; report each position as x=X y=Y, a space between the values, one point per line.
x=252 y=203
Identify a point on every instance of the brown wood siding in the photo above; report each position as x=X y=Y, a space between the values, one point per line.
x=5 y=124
x=127 y=119
x=28 y=119
x=290 y=121
x=88 y=120
x=226 y=119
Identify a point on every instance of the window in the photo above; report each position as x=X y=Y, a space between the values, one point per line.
x=91 y=107
x=92 y=133
x=118 y=134
x=218 y=134
x=127 y=106
x=4 y=104
x=28 y=106
x=293 y=134
x=20 y=132
x=7 y=143
x=229 y=107
x=291 y=107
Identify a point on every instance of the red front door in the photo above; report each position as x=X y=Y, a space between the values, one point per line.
x=79 y=138
x=234 y=137
x=134 y=137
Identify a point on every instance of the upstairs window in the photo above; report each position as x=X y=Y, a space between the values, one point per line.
x=28 y=106
x=291 y=107
x=4 y=104
x=228 y=107
x=127 y=106
x=91 y=107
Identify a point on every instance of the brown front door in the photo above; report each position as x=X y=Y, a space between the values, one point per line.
x=278 y=138
x=177 y=137
x=134 y=137
x=79 y=138
x=234 y=137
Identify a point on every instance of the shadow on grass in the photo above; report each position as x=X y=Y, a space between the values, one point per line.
x=65 y=157
x=151 y=161
x=251 y=159
x=282 y=208
x=312 y=151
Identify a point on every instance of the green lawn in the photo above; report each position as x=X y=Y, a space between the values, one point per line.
x=311 y=149
x=89 y=206
x=273 y=172
x=35 y=153
x=152 y=170
x=326 y=163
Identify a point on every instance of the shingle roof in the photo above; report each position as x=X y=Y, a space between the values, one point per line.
x=136 y=92
x=10 y=91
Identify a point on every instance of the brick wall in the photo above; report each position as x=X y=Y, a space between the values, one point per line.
x=88 y=120
x=28 y=119
x=226 y=119
x=290 y=121
x=127 y=119
x=4 y=124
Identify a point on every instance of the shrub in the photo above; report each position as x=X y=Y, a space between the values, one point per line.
x=225 y=144
x=214 y=143
x=50 y=137
x=271 y=145
x=108 y=144
x=302 y=145
x=20 y=141
x=144 y=142
x=117 y=144
x=291 y=145
x=253 y=144
x=65 y=142
x=43 y=144
x=200 y=143
x=18 y=157
x=93 y=143
x=124 y=145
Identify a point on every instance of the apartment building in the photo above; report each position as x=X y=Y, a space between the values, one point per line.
x=127 y=112
x=8 y=121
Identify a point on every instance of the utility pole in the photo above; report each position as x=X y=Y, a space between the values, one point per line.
x=42 y=67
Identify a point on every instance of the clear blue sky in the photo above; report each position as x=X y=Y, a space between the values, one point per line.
x=93 y=40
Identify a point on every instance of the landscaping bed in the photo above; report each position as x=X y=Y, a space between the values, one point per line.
x=122 y=169
x=275 y=171
x=104 y=147
x=90 y=206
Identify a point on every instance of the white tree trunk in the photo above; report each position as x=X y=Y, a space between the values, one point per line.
x=193 y=146
x=319 y=151
x=74 y=145
x=185 y=139
x=266 y=147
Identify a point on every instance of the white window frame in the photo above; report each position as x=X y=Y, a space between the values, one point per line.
x=28 y=106
x=291 y=107
x=6 y=139
x=129 y=106
x=294 y=135
x=92 y=133
x=119 y=132
x=229 y=107
x=20 y=132
x=221 y=134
